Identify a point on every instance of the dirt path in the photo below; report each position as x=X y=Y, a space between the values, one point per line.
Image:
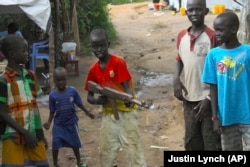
x=147 y=42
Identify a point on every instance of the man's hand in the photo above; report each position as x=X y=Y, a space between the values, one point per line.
x=217 y=125
x=47 y=125
x=178 y=88
x=30 y=140
x=201 y=108
x=45 y=143
x=128 y=103
x=91 y=115
x=101 y=100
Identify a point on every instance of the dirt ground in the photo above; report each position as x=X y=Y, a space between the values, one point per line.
x=147 y=42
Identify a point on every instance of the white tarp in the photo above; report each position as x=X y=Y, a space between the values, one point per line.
x=37 y=10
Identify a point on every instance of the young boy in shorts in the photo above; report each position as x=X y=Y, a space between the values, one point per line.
x=62 y=102
x=227 y=70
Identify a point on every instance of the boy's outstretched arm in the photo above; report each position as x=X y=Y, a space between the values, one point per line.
x=178 y=85
x=30 y=139
x=90 y=114
x=48 y=123
x=214 y=105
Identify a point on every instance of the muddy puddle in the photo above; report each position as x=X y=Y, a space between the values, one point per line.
x=153 y=79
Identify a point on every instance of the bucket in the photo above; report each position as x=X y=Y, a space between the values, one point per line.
x=215 y=9
x=68 y=46
x=182 y=11
x=156 y=6
x=221 y=8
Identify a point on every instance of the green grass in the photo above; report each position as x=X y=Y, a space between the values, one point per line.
x=119 y=2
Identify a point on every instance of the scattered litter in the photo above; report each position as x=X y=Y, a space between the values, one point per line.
x=151 y=107
x=83 y=129
x=148 y=34
x=163 y=137
x=158 y=13
x=159 y=147
x=141 y=54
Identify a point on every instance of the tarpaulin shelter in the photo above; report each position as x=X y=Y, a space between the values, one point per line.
x=39 y=11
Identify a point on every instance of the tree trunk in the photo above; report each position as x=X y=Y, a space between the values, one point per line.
x=65 y=22
x=73 y=15
x=244 y=30
x=52 y=57
x=56 y=34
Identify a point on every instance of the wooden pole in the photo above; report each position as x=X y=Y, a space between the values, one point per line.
x=244 y=30
x=75 y=27
x=52 y=58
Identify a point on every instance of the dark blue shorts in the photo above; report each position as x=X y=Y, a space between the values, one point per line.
x=65 y=136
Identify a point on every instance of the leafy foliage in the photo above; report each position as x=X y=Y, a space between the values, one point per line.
x=118 y=2
x=91 y=15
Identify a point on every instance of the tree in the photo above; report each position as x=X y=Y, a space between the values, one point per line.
x=74 y=24
x=244 y=30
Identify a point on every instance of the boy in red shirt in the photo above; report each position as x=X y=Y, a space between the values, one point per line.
x=111 y=71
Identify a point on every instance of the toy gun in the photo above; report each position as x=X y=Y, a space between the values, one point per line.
x=113 y=95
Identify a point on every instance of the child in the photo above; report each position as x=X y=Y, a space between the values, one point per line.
x=22 y=134
x=111 y=71
x=227 y=70
x=193 y=44
x=62 y=110
x=12 y=29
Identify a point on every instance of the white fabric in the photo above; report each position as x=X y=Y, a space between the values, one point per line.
x=37 y=10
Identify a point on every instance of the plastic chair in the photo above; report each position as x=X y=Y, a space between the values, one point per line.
x=37 y=54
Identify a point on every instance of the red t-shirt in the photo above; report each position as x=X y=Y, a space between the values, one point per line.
x=113 y=75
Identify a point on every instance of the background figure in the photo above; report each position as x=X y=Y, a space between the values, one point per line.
x=111 y=70
x=193 y=44
x=62 y=110
x=227 y=70
x=12 y=29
